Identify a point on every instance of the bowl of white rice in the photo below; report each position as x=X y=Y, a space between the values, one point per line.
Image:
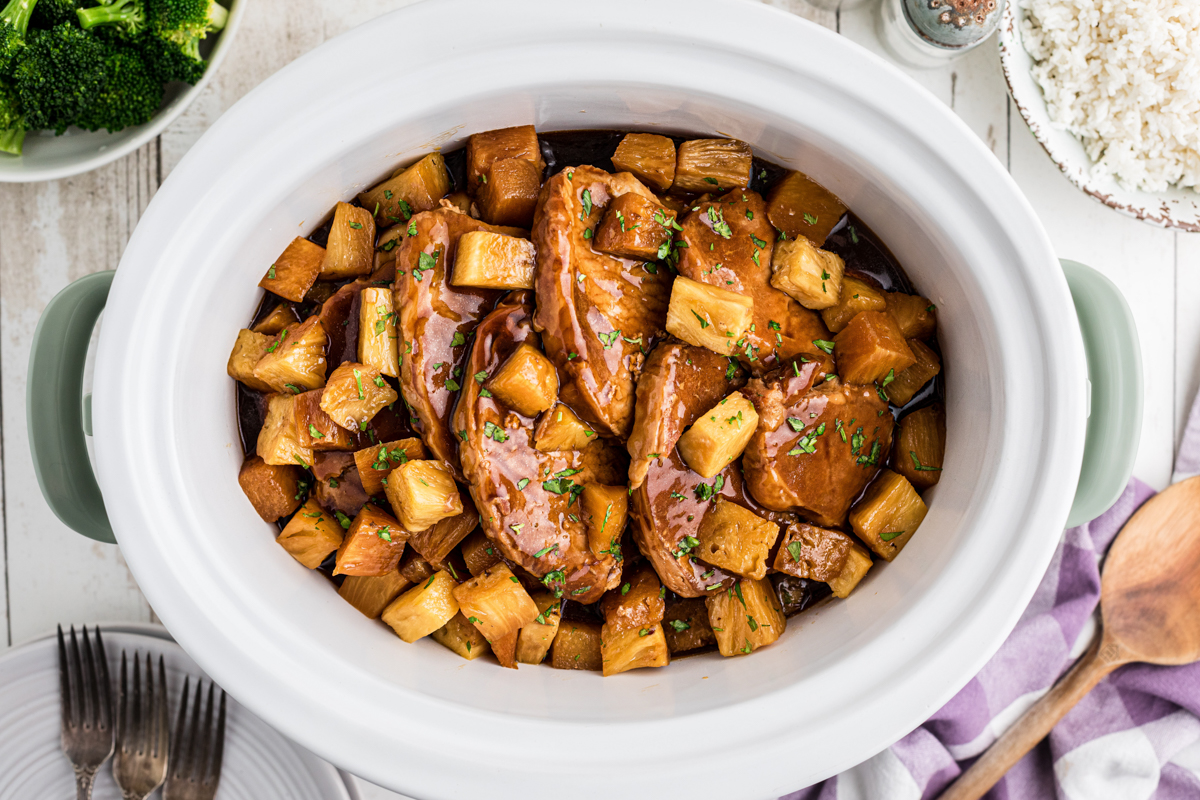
x=1111 y=89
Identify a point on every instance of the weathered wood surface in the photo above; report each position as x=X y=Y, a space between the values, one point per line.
x=53 y=233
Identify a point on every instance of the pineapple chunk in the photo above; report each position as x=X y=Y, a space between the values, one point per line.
x=496 y=603
x=888 y=514
x=745 y=617
x=350 y=250
x=295 y=359
x=423 y=609
x=623 y=649
x=421 y=493
x=634 y=227
x=914 y=314
x=920 y=446
x=409 y=191
x=372 y=595
x=376 y=463
x=870 y=349
x=736 y=539
x=907 y=383
x=536 y=637
x=707 y=165
x=560 y=429
x=311 y=535
x=355 y=394
x=799 y=206
x=478 y=552
x=812 y=553
x=719 y=436
x=858 y=561
x=685 y=624
x=706 y=316
x=273 y=489
x=460 y=636
x=505 y=650
x=437 y=541
x=810 y=275
x=651 y=159
x=604 y=510
x=248 y=350
x=493 y=261
x=282 y=316
x=295 y=271
x=856 y=296
x=484 y=149
x=279 y=440
x=576 y=646
x=526 y=382
x=378 y=342
x=315 y=428
x=372 y=546
x=637 y=602
x=509 y=192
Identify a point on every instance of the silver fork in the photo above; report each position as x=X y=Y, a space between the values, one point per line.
x=87 y=731
x=140 y=763
x=196 y=749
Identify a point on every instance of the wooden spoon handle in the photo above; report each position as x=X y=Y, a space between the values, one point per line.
x=1037 y=722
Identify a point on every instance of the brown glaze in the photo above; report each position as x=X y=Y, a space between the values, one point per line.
x=339 y=318
x=679 y=383
x=431 y=312
x=822 y=484
x=584 y=294
x=729 y=263
x=524 y=522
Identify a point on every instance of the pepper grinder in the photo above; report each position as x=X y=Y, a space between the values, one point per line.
x=928 y=33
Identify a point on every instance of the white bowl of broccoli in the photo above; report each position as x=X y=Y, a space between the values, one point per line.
x=84 y=82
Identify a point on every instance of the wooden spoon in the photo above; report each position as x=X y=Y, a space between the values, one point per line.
x=1150 y=603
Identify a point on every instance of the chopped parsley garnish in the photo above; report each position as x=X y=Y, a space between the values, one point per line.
x=824 y=344
x=810 y=219
x=887 y=537
x=457 y=339
x=918 y=466
x=731 y=370
x=609 y=339
x=314 y=433
x=717 y=218
x=452 y=385
x=493 y=431
x=796 y=549
x=686 y=545
x=586 y=197
x=679 y=625
x=703 y=322
x=705 y=491
x=342 y=519
x=521 y=484
x=545 y=550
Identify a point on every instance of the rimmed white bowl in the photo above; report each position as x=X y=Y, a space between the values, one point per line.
x=1174 y=208
x=846 y=680
x=46 y=157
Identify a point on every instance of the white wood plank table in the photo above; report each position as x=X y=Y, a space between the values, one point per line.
x=53 y=233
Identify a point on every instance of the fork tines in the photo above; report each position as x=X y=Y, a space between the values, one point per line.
x=196 y=748
x=143 y=729
x=87 y=726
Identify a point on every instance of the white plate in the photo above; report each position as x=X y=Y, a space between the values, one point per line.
x=1176 y=208
x=259 y=764
x=46 y=157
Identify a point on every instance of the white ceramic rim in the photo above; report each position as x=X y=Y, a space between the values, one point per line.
x=14 y=170
x=143 y=482
x=1175 y=208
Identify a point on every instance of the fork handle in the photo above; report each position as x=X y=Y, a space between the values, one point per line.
x=84 y=779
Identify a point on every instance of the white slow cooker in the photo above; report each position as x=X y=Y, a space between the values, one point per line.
x=848 y=678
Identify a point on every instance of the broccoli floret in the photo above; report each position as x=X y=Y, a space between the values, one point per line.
x=14 y=23
x=131 y=94
x=55 y=12
x=61 y=71
x=174 y=31
x=12 y=121
x=129 y=15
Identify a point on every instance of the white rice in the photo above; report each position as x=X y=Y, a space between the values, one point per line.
x=1124 y=77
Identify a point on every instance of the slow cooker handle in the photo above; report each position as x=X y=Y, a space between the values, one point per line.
x=1114 y=363
x=54 y=404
